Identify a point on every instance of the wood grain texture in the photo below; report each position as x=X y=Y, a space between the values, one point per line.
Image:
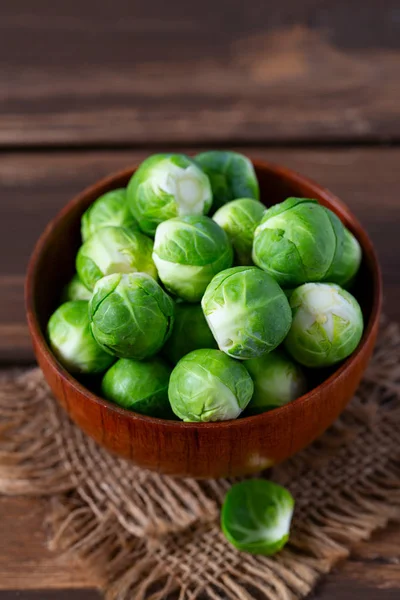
x=67 y=594
x=15 y=344
x=28 y=571
x=139 y=73
x=25 y=560
x=36 y=186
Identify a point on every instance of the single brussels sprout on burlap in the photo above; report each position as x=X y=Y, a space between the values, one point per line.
x=131 y=316
x=167 y=186
x=110 y=210
x=296 y=241
x=188 y=252
x=327 y=324
x=231 y=175
x=239 y=220
x=75 y=290
x=277 y=380
x=72 y=342
x=207 y=385
x=256 y=516
x=190 y=332
x=344 y=269
x=141 y=386
x=247 y=312
x=114 y=250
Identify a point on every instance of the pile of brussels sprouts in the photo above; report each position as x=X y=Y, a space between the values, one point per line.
x=206 y=318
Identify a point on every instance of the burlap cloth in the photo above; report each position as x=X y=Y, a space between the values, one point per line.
x=157 y=537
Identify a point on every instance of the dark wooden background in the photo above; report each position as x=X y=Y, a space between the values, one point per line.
x=90 y=87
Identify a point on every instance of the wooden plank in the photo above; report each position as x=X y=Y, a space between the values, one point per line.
x=344 y=590
x=25 y=560
x=140 y=73
x=15 y=344
x=26 y=564
x=51 y=595
x=335 y=587
x=36 y=186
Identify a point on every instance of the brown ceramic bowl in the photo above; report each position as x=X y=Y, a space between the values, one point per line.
x=198 y=449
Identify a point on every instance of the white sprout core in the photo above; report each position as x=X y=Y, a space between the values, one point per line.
x=277 y=222
x=111 y=259
x=282 y=526
x=225 y=322
x=222 y=402
x=321 y=303
x=189 y=186
x=186 y=280
x=71 y=349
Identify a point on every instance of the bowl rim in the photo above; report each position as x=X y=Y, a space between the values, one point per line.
x=283 y=172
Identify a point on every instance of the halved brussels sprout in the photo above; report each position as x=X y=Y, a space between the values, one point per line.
x=239 y=220
x=247 y=312
x=114 y=250
x=277 y=380
x=207 y=385
x=141 y=386
x=167 y=186
x=190 y=332
x=131 y=316
x=188 y=252
x=231 y=175
x=327 y=324
x=72 y=342
x=110 y=210
x=256 y=516
x=75 y=290
x=345 y=268
x=296 y=241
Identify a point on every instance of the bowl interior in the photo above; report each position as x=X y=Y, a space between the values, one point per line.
x=54 y=257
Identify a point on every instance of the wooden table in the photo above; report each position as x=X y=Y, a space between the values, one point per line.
x=86 y=89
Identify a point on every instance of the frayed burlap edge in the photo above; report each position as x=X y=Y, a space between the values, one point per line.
x=154 y=537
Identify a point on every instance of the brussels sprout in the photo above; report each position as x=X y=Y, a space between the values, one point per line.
x=190 y=332
x=256 y=516
x=131 y=316
x=72 y=342
x=277 y=381
x=231 y=175
x=110 y=210
x=167 y=186
x=247 y=312
x=141 y=386
x=296 y=241
x=188 y=252
x=345 y=267
x=288 y=292
x=327 y=324
x=114 y=250
x=239 y=220
x=75 y=290
x=207 y=385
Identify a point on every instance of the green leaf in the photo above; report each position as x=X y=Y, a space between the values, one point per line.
x=231 y=175
x=256 y=516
